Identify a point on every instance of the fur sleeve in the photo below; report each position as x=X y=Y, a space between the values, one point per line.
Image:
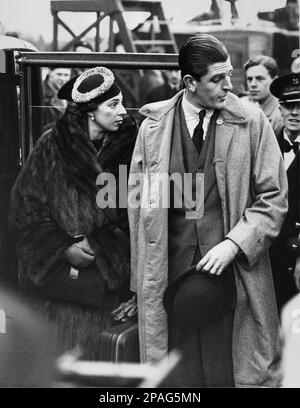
x=39 y=241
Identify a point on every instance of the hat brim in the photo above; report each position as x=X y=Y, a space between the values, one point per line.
x=65 y=91
x=296 y=99
x=285 y=89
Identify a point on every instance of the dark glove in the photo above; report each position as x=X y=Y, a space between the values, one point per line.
x=126 y=310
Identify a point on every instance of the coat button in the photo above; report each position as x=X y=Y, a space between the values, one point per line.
x=219 y=121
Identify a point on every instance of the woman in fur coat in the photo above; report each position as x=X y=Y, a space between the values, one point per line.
x=73 y=255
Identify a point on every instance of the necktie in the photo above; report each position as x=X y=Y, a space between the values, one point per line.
x=198 y=132
x=287 y=147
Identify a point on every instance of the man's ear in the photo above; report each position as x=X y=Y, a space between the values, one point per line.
x=190 y=83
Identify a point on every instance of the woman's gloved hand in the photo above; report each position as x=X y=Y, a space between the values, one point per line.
x=126 y=310
x=80 y=254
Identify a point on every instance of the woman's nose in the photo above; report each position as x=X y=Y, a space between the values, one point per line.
x=122 y=110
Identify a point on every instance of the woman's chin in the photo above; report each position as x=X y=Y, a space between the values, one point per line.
x=116 y=126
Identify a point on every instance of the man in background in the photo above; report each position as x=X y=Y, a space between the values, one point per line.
x=283 y=257
x=260 y=72
x=167 y=90
x=53 y=106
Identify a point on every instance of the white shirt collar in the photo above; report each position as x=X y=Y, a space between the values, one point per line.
x=287 y=138
x=191 y=114
x=191 y=109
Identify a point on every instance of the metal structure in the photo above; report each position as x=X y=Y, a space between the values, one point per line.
x=30 y=64
x=123 y=65
x=159 y=32
x=11 y=142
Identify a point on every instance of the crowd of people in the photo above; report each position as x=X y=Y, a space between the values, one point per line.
x=210 y=276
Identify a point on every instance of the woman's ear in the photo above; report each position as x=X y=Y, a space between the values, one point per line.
x=190 y=83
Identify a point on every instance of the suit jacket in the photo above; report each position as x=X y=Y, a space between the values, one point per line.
x=282 y=255
x=271 y=109
x=293 y=175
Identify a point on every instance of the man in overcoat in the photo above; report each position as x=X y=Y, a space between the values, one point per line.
x=202 y=273
x=260 y=72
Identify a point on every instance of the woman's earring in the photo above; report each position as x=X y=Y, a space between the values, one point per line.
x=92 y=117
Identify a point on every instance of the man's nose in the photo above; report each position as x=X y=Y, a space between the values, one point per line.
x=227 y=83
x=252 y=83
x=295 y=110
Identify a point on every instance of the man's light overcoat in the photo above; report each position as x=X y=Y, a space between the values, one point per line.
x=252 y=186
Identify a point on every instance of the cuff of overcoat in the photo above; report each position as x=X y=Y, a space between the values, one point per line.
x=251 y=245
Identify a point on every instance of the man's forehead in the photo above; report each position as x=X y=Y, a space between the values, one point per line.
x=220 y=67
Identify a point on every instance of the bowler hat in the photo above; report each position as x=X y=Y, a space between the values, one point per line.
x=93 y=85
x=197 y=300
x=286 y=88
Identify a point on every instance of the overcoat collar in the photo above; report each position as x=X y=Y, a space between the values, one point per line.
x=269 y=105
x=233 y=112
x=161 y=115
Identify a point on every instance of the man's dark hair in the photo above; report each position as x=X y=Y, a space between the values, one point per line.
x=268 y=62
x=198 y=52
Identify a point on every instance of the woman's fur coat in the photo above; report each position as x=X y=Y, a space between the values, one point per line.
x=54 y=199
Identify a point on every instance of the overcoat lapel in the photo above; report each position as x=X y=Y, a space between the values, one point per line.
x=226 y=127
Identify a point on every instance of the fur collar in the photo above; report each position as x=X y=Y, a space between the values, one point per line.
x=79 y=154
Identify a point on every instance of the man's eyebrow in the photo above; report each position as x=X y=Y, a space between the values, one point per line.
x=219 y=75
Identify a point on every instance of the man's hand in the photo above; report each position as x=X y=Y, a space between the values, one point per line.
x=80 y=255
x=220 y=256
